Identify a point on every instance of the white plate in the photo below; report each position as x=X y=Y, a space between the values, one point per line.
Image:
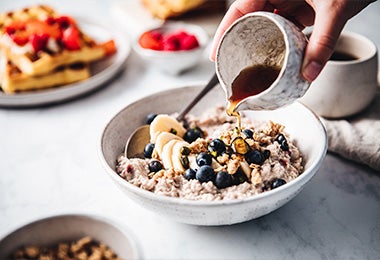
x=101 y=72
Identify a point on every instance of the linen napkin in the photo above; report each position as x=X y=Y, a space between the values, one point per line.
x=358 y=137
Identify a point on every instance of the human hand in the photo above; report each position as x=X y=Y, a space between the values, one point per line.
x=328 y=17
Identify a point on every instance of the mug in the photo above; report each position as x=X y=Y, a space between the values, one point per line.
x=348 y=82
x=263 y=39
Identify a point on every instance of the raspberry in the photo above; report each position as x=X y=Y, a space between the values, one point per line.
x=170 y=43
x=189 y=42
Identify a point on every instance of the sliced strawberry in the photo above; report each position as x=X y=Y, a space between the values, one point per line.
x=70 y=38
x=39 y=41
x=109 y=47
x=149 y=41
x=19 y=39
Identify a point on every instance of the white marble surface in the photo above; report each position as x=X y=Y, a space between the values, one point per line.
x=49 y=165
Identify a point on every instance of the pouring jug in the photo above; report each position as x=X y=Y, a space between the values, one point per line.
x=263 y=38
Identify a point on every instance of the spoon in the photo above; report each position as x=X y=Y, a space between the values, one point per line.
x=140 y=137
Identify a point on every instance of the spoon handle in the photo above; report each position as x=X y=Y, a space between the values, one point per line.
x=210 y=85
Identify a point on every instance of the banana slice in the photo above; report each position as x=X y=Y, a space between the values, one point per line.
x=167 y=154
x=176 y=155
x=165 y=123
x=246 y=169
x=162 y=139
x=193 y=161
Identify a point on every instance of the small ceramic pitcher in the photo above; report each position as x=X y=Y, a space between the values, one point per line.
x=263 y=38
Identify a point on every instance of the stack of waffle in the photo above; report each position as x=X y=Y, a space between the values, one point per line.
x=41 y=49
x=166 y=9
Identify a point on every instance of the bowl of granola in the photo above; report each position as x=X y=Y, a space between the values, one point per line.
x=71 y=236
x=209 y=170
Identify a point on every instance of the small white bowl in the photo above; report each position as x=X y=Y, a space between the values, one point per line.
x=304 y=128
x=174 y=62
x=65 y=228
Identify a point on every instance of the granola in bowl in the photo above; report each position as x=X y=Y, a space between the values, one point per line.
x=211 y=159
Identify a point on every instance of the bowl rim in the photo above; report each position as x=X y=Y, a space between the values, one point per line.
x=303 y=177
x=126 y=232
x=198 y=31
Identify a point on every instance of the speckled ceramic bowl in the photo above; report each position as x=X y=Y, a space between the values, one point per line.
x=303 y=126
x=52 y=230
x=263 y=38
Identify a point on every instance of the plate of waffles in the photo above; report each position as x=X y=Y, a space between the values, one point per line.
x=48 y=58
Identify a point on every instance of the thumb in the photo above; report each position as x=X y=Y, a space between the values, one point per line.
x=328 y=25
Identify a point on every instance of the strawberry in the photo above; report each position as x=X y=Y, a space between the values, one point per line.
x=20 y=40
x=151 y=41
x=109 y=47
x=38 y=41
x=70 y=38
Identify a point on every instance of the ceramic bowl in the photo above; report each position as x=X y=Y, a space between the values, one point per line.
x=174 y=62
x=266 y=39
x=304 y=127
x=65 y=228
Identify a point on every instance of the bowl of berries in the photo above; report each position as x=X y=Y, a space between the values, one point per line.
x=209 y=169
x=172 y=48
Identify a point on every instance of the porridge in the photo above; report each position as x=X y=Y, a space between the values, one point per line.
x=212 y=159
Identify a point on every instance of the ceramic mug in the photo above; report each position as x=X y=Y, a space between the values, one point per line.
x=348 y=83
x=263 y=38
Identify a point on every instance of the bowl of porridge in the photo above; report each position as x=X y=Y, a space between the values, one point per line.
x=70 y=236
x=208 y=169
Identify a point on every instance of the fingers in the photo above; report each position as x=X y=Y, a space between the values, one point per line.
x=328 y=25
x=238 y=9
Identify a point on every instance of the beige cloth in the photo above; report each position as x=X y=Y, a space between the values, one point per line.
x=358 y=137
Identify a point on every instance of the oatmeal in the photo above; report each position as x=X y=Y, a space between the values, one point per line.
x=211 y=159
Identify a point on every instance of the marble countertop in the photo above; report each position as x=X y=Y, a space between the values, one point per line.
x=49 y=165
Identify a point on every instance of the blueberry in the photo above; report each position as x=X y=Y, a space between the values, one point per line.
x=216 y=147
x=205 y=174
x=239 y=177
x=193 y=134
x=223 y=180
x=155 y=166
x=254 y=156
x=190 y=174
x=277 y=183
x=280 y=138
x=148 y=150
x=248 y=133
x=150 y=118
x=283 y=142
x=284 y=145
x=204 y=159
x=266 y=154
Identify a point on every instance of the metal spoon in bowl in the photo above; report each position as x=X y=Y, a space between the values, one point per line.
x=140 y=137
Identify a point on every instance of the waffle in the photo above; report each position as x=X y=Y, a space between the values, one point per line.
x=44 y=61
x=13 y=80
x=165 y=9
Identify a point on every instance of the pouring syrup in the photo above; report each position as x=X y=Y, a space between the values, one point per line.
x=250 y=81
